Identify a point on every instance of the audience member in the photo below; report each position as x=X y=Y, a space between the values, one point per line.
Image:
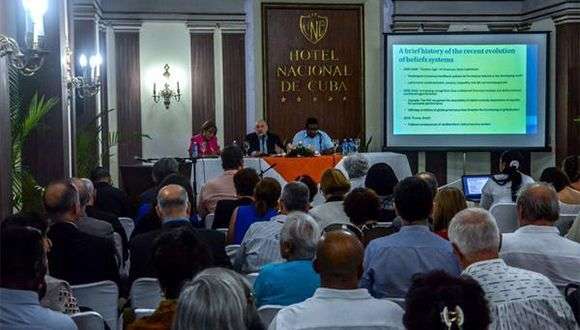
x=556 y=177
x=264 y=208
x=217 y=298
x=537 y=244
x=22 y=268
x=295 y=280
x=75 y=256
x=333 y=185
x=502 y=187
x=570 y=195
x=311 y=184
x=518 y=298
x=439 y=301
x=356 y=166
x=260 y=245
x=221 y=187
x=362 y=206
x=382 y=180
x=339 y=303
x=108 y=198
x=178 y=255
x=448 y=201
x=173 y=208
x=390 y=262
x=58 y=294
x=87 y=224
x=245 y=181
x=161 y=169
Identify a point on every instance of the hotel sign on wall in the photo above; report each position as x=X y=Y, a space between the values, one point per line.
x=313 y=67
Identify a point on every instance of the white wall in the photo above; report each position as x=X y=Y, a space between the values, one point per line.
x=170 y=129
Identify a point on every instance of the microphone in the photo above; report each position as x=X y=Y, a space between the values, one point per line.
x=262 y=172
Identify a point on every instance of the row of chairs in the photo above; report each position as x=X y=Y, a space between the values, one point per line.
x=507 y=220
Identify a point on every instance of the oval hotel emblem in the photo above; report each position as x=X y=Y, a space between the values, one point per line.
x=313 y=27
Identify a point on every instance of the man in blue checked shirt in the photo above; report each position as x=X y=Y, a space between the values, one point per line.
x=315 y=138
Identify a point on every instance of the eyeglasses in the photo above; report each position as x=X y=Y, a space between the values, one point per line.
x=344 y=227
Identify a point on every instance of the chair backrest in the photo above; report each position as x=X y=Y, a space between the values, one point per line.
x=232 y=252
x=572 y=295
x=252 y=278
x=505 y=217
x=119 y=249
x=145 y=293
x=142 y=312
x=564 y=223
x=101 y=297
x=267 y=313
x=88 y=321
x=128 y=224
x=209 y=220
x=398 y=301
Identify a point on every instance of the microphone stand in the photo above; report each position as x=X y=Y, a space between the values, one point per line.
x=261 y=175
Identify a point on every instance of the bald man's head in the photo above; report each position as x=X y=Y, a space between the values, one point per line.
x=61 y=201
x=339 y=256
x=172 y=202
x=261 y=127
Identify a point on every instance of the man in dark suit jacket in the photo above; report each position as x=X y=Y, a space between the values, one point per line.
x=173 y=208
x=108 y=198
x=75 y=257
x=262 y=142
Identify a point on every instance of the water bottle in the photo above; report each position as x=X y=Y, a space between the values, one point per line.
x=350 y=146
x=344 y=147
x=194 y=152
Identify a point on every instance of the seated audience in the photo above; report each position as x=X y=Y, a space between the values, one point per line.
x=518 y=298
x=537 y=244
x=502 y=187
x=245 y=181
x=261 y=243
x=206 y=142
x=448 y=201
x=295 y=280
x=22 y=271
x=173 y=208
x=390 y=262
x=264 y=208
x=339 y=303
x=161 y=169
x=221 y=187
x=570 y=195
x=574 y=232
x=356 y=166
x=333 y=186
x=178 y=255
x=75 y=256
x=362 y=206
x=58 y=294
x=312 y=186
x=217 y=298
x=382 y=180
x=108 y=198
x=87 y=224
x=439 y=301
x=556 y=177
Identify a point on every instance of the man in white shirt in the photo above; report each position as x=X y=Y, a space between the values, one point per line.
x=537 y=244
x=518 y=298
x=339 y=303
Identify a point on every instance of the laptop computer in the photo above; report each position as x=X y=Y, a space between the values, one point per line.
x=472 y=185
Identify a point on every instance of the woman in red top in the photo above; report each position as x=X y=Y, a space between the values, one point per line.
x=206 y=141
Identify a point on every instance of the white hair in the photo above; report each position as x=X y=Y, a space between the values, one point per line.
x=356 y=165
x=538 y=206
x=474 y=230
x=302 y=231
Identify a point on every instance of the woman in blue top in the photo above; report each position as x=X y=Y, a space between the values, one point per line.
x=265 y=206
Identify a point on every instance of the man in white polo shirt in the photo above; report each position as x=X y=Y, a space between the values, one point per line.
x=339 y=303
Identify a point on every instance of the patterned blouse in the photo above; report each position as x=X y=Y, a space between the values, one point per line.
x=520 y=299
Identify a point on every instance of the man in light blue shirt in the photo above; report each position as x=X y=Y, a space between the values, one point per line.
x=315 y=138
x=390 y=262
x=23 y=266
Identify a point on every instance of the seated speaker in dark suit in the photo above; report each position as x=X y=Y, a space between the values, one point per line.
x=108 y=198
x=173 y=208
x=262 y=142
x=245 y=180
x=75 y=257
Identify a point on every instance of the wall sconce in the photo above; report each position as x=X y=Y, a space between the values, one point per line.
x=89 y=84
x=166 y=93
x=34 y=39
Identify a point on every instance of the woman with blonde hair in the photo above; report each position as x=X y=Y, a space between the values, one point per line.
x=333 y=185
x=448 y=202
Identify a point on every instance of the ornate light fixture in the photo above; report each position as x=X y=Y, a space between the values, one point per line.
x=29 y=62
x=166 y=93
x=89 y=84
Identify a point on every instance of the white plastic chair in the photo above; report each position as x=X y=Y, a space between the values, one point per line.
x=88 y=321
x=142 y=312
x=101 y=297
x=505 y=217
x=145 y=293
x=209 y=220
x=267 y=313
x=232 y=252
x=564 y=223
x=128 y=224
x=252 y=278
x=398 y=301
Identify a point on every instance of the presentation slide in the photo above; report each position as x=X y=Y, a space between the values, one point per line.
x=461 y=91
